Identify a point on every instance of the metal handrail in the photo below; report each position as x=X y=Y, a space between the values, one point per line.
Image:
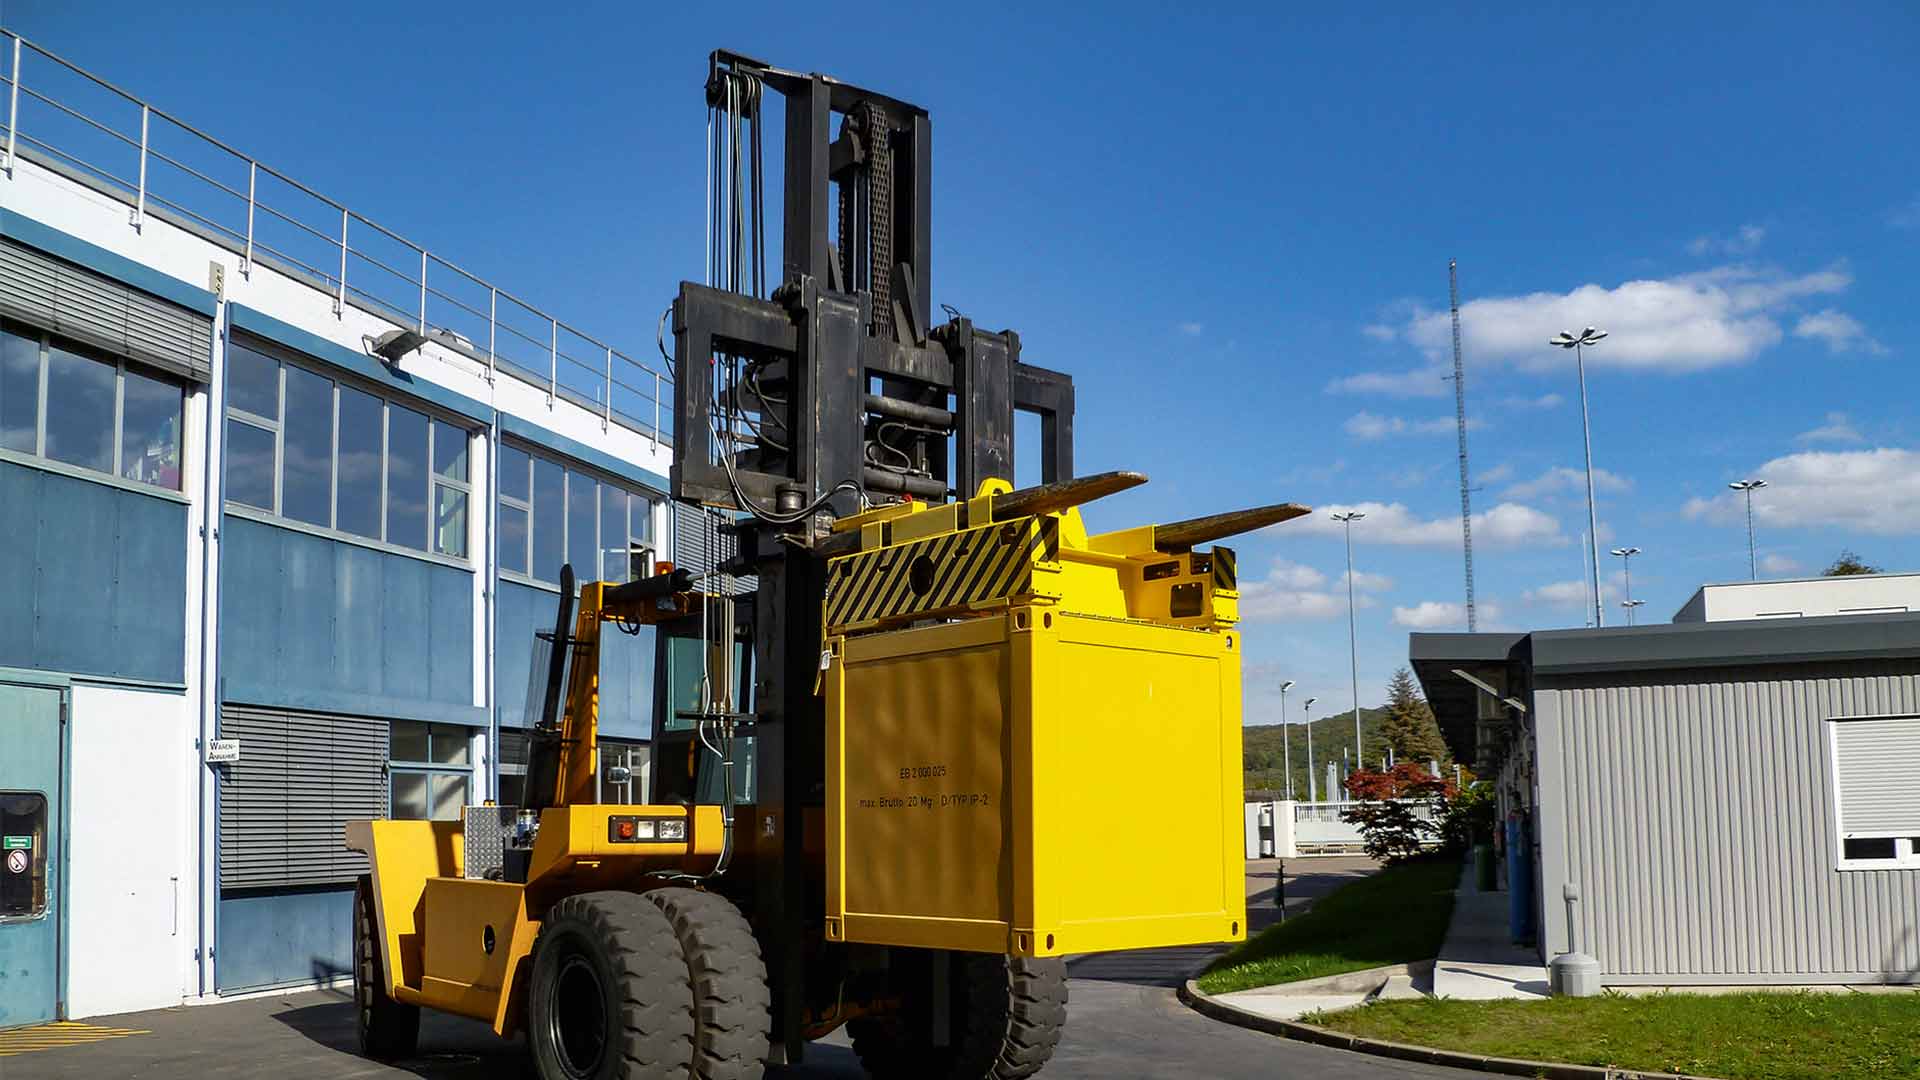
x=594 y=378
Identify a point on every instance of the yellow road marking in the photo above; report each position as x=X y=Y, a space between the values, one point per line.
x=56 y=1035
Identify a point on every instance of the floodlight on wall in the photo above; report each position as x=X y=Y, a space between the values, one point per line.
x=394 y=344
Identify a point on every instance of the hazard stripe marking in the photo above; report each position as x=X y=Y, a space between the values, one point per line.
x=1226 y=576
x=57 y=1035
x=969 y=567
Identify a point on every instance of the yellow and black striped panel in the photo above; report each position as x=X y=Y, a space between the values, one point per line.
x=938 y=574
x=1226 y=574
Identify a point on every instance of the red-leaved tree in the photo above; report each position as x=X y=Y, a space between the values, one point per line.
x=1388 y=806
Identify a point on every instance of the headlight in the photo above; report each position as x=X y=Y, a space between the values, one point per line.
x=625 y=829
x=673 y=829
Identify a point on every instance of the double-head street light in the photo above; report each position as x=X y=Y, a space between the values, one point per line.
x=1307 y=709
x=1626 y=555
x=1630 y=605
x=1577 y=342
x=1748 y=486
x=1353 y=650
x=1286 y=738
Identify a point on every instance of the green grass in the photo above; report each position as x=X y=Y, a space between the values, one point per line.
x=1784 y=1036
x=1395 y=916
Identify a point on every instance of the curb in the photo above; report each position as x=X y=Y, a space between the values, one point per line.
x=1209 y=1006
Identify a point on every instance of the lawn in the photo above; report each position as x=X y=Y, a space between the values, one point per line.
x=1781 y=1036
x=1395 y=916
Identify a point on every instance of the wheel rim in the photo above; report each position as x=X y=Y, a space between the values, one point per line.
x=577 y=1021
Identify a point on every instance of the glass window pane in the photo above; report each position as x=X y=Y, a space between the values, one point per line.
x=513 y=539
x=449 y=796
x=512 y=787
x=79 y=409
x=19 y=390
x=582 y=513
x=406 y=477
x=407 y=741
x=549 y=509
x=449 y=451
x=306 y=449
x=613 y=534
x=253 y=382
x=150 y=431
x=513 y=473
x=23 y=824
x=1876 y=847
x=450 y=745
x=408 y=797
x=641 y=520
x=449 y=521
x=359 y=495
x=249 y=454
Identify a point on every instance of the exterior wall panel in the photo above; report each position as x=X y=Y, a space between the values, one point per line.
x=1696 y=813
x=626 y=664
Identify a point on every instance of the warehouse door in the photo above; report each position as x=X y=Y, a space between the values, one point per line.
x=30 y=878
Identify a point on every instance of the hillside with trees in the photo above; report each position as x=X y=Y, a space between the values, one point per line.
x=1405 y=723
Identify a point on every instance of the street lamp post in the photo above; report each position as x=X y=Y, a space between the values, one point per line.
x=1353 y=650
x=1578 y=342
x=1748 y=487
x=1626 y=555
x=1286 y=740
x=1313 y=792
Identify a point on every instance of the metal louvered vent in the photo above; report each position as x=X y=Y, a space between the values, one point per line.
x=1874 y=761
x=39 y=289
x=285 y=804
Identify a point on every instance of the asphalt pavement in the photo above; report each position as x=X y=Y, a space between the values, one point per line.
x=1123 y=1021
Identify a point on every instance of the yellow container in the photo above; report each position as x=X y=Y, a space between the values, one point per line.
x=1003 y=784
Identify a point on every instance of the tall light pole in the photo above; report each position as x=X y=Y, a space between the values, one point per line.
x=1353 y=649
x=1626 y=555
x=1313 y=793
x=1286 y=738
x=1578 y=342
x=1748 y=486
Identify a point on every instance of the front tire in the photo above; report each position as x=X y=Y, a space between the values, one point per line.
x=386 y=1028
x=609 y=997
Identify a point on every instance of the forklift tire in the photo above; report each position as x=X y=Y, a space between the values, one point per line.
x=609 y=997
x=1008 y=1014
x=386 y=1028
x=730 y=998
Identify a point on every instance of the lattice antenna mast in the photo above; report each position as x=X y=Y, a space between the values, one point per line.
x=1460 y=424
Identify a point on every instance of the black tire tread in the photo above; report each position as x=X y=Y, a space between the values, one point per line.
x=728 y=976
x=386 y=1029
x=656 y=1019
x=1012 y=1011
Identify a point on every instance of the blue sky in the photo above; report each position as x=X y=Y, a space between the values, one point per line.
x=1233 y=229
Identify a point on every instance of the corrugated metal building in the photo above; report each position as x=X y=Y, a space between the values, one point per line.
x=1734 y=801
x=227 y=518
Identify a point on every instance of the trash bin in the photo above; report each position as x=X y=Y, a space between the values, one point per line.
x=1485 y=874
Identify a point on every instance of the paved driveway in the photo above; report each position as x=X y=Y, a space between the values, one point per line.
x=1123 y=1022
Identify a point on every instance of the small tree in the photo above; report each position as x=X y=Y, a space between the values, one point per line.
x=1847 y=564
x=1469 y=818
x=1409 y=726
x=1388 y=810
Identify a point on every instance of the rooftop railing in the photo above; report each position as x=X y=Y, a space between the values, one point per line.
x=61 y=116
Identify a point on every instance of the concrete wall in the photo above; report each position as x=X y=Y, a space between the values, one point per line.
x=1695 y=811
x=1853 y=595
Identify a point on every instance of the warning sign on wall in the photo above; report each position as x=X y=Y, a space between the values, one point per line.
x=16 y=862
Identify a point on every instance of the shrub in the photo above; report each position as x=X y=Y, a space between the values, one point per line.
x=1387 y=810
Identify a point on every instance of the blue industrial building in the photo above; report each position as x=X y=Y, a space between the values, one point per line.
x=286 y=499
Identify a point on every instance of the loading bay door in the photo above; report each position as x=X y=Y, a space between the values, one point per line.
x=30 y=845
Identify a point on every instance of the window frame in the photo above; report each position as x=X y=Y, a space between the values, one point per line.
x=284 y=358
x=45 y=340
x=1906 y=843
x=429 y=769
x=637 y=532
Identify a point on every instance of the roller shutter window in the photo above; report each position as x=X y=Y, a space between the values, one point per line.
x=285 y=804
x=1879 y=814
x=74 y=302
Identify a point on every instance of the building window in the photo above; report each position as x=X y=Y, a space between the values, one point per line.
x=430 y=770
x=552 y=514
x=312 y=449
x=69 y=403
x=23 y=854
x=1878 y=817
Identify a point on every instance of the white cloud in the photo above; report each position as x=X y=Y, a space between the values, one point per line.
x=1497 y=474
x=1544 y=401
x=1561 y=478
x=1366 y=425
x=1292 y=591
x=1192 y=329
x=1838 y=330
x=1380 y=332
x=1875 y=491
x=1779 y=564
x=1742 y=241
x=1506 y=525
x=1366 y=582
x=1442 y=614
x=1838 y=428
x=1689 y=322
x=1420 y=382
x=1575 y=594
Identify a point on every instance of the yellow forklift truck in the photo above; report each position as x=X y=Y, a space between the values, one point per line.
x=919 y=736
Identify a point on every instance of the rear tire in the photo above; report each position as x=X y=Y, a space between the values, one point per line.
x=609 y=998
x=1008 y=1013
x=386 y=1028
x=729 y=980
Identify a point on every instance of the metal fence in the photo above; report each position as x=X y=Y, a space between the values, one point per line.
x=65 y=118
x=1281 y=829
